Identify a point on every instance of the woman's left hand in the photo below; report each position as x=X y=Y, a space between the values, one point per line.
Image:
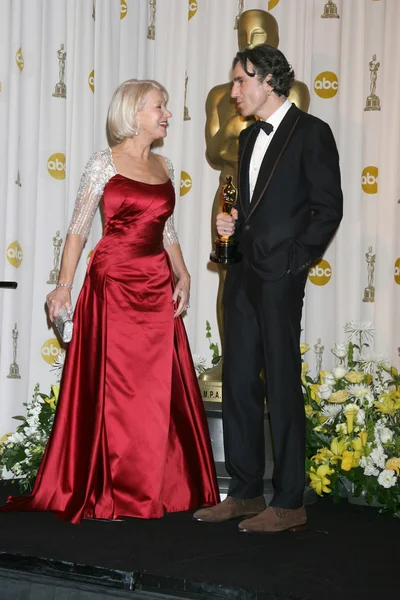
x=181 y=294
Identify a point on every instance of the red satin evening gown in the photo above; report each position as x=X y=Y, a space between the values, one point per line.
x=130 y=438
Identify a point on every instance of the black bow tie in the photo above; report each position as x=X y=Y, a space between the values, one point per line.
x=267 y=127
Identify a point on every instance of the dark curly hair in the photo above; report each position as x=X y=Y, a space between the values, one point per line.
x=267 y=60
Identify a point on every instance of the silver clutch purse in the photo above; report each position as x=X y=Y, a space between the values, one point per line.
x=64 y=324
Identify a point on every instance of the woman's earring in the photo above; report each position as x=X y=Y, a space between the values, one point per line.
x=137 y=128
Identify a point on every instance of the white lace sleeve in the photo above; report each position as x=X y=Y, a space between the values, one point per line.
x=97 y=172
x=169 y=235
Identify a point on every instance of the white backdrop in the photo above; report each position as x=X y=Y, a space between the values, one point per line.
x=45 y=142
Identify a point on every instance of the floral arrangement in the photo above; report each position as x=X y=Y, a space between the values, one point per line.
x=21 y=452
x=353 y=423
x=200 y=362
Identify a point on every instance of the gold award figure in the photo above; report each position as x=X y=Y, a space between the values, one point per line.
x=14 y=368
x=223 y=127
x=61 y=89
x=330 y=11
x=373 y=101
x=369 y=292
x=226 y=247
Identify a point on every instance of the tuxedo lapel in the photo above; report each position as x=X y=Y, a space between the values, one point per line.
x=244 y=168
x=273 y=154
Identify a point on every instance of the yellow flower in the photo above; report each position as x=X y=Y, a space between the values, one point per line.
x=319 y=480
x=304 y=371
x=350 y=459
x=322 y=376
x=338 y=446
x=388 y=403
x=4 y=438
x=361 y=442
x=323 y=456
x=338 y=397
x=354 y=376
x=350 y=413
x=391 y=464
x=309 y=410
x=53 y=398
x=313 y=391
x=304 y=348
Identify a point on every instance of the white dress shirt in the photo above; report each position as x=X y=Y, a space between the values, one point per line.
x=262 y=142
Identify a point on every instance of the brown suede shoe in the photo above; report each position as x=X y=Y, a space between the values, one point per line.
x=275 y=520
x=230 y=508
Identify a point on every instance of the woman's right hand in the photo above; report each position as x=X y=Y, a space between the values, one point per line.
x=57 y=299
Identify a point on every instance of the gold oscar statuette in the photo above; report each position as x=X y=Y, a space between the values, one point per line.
x=55 y=272
x=151 y=30
x=369 y=292
x=14 y=368
x=61 y=89
x=373 y=101
x=330 y=11
x=226 y=246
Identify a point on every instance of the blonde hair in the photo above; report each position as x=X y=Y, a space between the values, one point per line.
x=127 y=100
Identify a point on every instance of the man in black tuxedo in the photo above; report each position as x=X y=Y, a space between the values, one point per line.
x=289 y=207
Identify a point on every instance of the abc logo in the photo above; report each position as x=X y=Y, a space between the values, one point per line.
x=89 y=256
x=192 y=8
x=397 y=271
x=56 y=165
x=320 y=273
x=369 y=180
x=326 y=84
x=124 y=9
x=186 y=183
x=14 y=254
x=50 y=350
x=91 y=80
x=272 y=4
x=19 y=59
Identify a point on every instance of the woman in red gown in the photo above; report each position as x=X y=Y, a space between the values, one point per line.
x=130 y=437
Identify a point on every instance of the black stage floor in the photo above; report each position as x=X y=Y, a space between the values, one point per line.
x=346 y=553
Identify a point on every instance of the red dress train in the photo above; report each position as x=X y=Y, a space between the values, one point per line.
x=130 y=437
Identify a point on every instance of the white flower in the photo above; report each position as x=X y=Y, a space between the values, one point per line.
x=331 y=411
x=16 y=438
x=385 y=435
x=358 y=390
x=58 y=365
x=363 y=328
x=324 y=391
x=378 y=457
x=340 y=350
x=368 y=466
x=369 y=361
x=387 y=478
x=341 y=428
x=329 y=379
x=360 y=418
x=199 y=363
x=339 y=372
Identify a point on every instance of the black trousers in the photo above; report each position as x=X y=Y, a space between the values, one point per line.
x=262 y=331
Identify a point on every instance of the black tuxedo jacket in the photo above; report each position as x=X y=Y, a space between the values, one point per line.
x=297 y=203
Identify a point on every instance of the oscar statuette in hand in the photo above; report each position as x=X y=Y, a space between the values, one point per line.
x=226 y=246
